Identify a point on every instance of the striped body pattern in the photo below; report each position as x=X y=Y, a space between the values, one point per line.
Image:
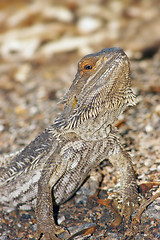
x=52 y=167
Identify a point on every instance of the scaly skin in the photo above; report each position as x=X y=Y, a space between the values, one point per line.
x=55 y=164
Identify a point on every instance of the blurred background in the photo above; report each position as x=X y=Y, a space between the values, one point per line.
x=40 y=45
x=42 y=41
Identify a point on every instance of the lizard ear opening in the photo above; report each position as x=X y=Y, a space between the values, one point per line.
x=74 y=101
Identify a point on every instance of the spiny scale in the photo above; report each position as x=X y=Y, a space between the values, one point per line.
x=52 y=167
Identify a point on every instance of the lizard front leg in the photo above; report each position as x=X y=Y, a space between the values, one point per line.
x=129 y=189
x=46 y=226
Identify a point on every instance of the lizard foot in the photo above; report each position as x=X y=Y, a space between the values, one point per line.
x=128 y=209
x=49 y=232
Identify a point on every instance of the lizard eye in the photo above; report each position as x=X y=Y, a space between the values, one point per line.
x=87 y=67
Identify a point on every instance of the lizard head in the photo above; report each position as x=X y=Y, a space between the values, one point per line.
x=100 y=91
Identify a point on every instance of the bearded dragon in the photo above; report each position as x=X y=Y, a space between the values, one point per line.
x=53 y=166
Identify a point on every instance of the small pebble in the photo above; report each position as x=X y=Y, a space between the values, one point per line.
x=149 y=128
x=22 y=73
x=1 y=128
x=157 y=109
x=147 y=162
x=153 y=168
x=88 y=24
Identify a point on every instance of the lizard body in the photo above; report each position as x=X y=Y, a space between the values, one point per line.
x=52 y=167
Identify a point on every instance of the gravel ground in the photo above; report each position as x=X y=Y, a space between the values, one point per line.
x=31 y=83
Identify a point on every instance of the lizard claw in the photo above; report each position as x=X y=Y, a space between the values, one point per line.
x=49 y=232
x=61 y=229
x=128 y=209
